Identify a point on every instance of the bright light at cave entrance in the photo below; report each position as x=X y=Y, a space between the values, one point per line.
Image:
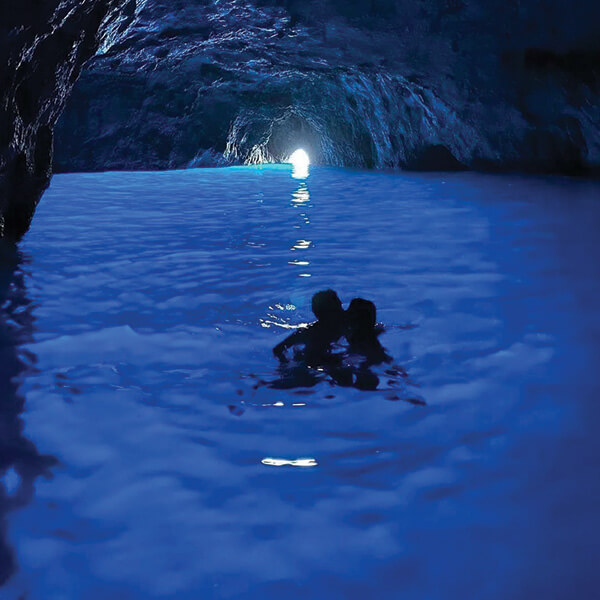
x=300 y=162
x=300 y=159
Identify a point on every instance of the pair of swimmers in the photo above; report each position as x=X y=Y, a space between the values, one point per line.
x=319 y=356
x=358 y=324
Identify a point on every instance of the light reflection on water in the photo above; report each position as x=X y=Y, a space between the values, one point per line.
x=300 y=199
x=155 y=300
x=301 y=195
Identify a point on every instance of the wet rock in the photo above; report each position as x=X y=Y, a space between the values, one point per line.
x=43 y=46
x=382 y=84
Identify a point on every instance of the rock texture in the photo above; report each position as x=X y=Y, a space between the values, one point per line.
x=43 y=46
x=418 y=84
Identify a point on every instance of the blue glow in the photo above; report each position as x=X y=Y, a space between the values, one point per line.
x=142 y=315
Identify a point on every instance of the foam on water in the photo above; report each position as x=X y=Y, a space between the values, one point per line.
x=152 y=303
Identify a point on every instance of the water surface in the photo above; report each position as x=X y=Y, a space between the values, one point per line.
x=142 y=309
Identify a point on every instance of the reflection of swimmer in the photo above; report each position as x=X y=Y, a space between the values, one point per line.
x=319 y=336
x=295 y=376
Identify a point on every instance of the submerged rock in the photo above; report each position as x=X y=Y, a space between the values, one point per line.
x=43 y=46
x=380 y=84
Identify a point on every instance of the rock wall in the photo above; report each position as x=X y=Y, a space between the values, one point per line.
x=428 y=84
x=43 y=46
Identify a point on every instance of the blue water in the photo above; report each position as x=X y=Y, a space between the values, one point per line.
x=141 y=455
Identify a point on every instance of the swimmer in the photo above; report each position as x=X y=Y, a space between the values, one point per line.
x=362 y=332
x=319 y=336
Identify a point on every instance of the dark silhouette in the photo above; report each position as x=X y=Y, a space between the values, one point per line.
x=320 y=357
x=317 y=360
x=319 y=336
x=362 y=332
x=16 y=451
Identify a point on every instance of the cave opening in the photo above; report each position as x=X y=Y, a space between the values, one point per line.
x=300 y=162
x=294 y=139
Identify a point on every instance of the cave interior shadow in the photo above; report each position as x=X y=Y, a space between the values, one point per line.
x=17 y=453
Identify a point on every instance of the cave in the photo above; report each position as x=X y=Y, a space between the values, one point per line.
x=299 y=299
x=379 y=86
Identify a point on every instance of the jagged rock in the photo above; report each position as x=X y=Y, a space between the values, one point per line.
x=434 y=84
x=43 y=46
x=489 y=84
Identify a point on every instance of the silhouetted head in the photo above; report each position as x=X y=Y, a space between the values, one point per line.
x=361 y=318
x=327 y=306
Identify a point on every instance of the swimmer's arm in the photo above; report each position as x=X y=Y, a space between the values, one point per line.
x=298 y=337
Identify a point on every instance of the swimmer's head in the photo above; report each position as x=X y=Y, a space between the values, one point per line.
x=327 y=305
x=361 y=318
